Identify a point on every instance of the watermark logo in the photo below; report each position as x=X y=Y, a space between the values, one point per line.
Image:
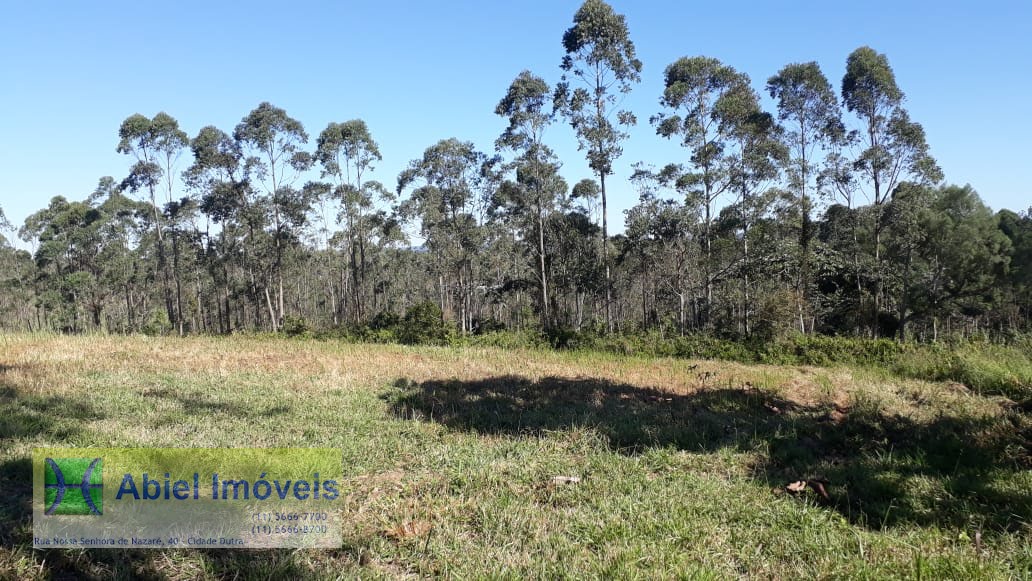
x=186 y=497
x=74 y=486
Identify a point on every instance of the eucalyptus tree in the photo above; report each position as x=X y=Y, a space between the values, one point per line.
x=906 y=221
x=576 y=268
x=13 y=277
x=346 y=152
x=156 y=144
x=894 y=147
x=219 y=176
x=661 y=232
x=757 y=156
x=18 y=298
x=447 y=201
x=808 y=107
x=600 y=59
x=65 y=258
x=121 y=232
x=80 y=258
x=703 y=100
x=272 y=143
x=538 y=183
x=838 y=182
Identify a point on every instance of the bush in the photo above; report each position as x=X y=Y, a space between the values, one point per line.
x=424 y=324
x=384 y=320
x=707 y=347
x=487 y=325
x=384 y=336
x=562 y=337
x=511 y=340
x=157 y=323
x=296 y=327
x=823 y=350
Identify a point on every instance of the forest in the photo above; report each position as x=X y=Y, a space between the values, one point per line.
x=826 y=215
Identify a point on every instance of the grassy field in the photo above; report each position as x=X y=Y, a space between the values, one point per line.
x=451 y=455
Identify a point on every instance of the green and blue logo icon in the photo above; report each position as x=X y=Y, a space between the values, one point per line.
x=74 y=486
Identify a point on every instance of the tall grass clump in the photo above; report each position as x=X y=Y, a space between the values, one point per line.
x=983 y=367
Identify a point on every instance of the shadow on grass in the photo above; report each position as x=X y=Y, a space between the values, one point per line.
x=195 y=404
x=29 y=415
x=880 y=466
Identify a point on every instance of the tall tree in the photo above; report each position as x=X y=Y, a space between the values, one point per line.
x=576 y=267
x=272 y=142
x=757 y=155
x=661 y=233
x=601 y=58
x=448 y=206
x=704 y=100
x=156 y=144
x=346 y=151
x=80 y=259
x=894 y=147
x=808 y=107
x=220 y=177
x=537 y=184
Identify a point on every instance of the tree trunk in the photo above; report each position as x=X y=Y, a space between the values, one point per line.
x=545 y=319
x=162 y=260
x=175 y=275
x=272 y=311
x=605 y=254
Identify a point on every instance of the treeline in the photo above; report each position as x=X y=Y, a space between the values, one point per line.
x=827 y=215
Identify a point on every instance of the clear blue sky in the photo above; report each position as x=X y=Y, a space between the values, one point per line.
x=418 y=72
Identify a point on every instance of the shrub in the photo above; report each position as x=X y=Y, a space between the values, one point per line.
x=487 y=325
x=424 y=324
x=295 y=327
x=824 y=350
x=707 y=347
x=511 y=340
x=157 y=323
x=384 y=336
x=384 y=320
x=562 y=337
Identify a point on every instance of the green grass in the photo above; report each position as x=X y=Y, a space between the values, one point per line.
x=450 y=456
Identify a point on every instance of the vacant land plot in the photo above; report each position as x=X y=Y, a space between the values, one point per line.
x=677 y=468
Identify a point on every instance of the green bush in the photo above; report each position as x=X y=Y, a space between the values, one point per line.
x=824 y=350
x=561 y=337
x=487 y=325
x=707 y=347
x=157 y=323
x=423 y=324
x=510 y=340
x=384 y=320
x=980 y=365
x=384 y=336
x=295 y=327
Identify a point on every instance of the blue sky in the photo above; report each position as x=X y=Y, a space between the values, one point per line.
x=418 y=72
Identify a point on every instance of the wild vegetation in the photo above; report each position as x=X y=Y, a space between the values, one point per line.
x=480 y=461
x=827 y=215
